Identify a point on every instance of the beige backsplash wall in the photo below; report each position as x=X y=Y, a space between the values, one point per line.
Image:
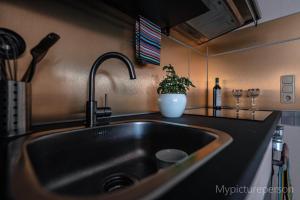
x=256 y=58
x=59 y=88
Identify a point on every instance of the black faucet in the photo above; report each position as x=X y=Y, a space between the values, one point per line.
x=92 y=112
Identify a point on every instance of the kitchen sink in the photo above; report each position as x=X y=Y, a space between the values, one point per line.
x=115 y=161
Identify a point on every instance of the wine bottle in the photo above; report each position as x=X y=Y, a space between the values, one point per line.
x=217 y=95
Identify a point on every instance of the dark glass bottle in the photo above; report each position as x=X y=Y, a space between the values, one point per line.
x=217 y=95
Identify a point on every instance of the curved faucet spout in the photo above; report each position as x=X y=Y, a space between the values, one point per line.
x=97 y=64
x=91 y=107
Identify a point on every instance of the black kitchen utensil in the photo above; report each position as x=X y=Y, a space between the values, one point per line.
x=12 y=45
x=3 y=75
x=38 y=53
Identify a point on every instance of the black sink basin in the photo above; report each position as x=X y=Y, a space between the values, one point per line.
x=118 y=160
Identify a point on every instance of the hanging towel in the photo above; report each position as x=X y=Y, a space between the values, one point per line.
x=286 y=173
x=284 y=180
x=147 y=41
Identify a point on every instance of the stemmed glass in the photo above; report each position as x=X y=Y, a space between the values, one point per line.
x=237 y=93
x=253 y=93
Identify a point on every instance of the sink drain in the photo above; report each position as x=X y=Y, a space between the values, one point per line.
x=117 y=182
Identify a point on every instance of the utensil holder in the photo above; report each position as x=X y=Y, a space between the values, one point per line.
x=15 y=109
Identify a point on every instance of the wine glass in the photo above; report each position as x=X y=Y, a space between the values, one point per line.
x=237 y=93
x=253 y=94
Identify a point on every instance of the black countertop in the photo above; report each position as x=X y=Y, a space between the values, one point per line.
x=236 y=165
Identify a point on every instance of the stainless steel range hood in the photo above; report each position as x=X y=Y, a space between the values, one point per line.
x=222 y=17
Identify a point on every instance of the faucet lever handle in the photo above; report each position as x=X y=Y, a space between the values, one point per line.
x=104 y=111
x=105 y=100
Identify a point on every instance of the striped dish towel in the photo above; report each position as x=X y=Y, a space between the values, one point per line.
x=147 y=41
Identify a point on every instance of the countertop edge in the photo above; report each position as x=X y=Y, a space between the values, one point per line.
x=253 y=166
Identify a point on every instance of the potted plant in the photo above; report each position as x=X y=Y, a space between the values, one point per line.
x=172 y=93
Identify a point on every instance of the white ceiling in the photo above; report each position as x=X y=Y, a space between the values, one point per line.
x=273 y=9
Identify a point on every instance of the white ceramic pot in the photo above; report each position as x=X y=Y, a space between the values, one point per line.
x=172 y=105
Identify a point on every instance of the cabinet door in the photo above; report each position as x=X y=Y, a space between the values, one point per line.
x=262 y=176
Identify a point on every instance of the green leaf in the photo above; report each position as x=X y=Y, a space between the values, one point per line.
x=172 y=83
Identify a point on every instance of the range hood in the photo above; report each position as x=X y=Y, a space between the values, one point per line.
x=222 y=17
x=192 y=21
